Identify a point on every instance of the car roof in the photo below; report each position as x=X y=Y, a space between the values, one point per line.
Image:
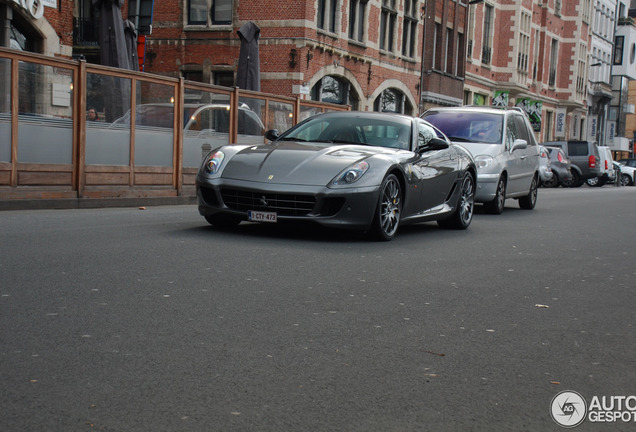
x=367 y=114
x=478 y=108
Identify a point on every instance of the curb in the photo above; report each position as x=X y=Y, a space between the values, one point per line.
x=90 y=203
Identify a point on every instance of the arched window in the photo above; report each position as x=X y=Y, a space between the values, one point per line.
x=335 y=90
x=392 y=100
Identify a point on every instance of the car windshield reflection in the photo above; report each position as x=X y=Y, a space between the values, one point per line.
x=483 y=128
x=359 y=130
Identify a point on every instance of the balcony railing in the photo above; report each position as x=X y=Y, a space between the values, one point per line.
x=85 y=32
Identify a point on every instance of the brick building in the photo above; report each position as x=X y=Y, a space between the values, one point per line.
x=45 y=27
x=534 y=55
x=363 y=53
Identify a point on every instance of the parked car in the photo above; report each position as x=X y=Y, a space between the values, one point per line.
x=504 y=148
x=584 y=157
x=561 y=168
x=606 y=167
x=364 y=171
x=545 y=166
x=628 y=162
x=627 y=174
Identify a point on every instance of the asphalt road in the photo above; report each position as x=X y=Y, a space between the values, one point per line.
x=151 y=320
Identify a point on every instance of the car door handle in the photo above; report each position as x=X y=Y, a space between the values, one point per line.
x=523 y=157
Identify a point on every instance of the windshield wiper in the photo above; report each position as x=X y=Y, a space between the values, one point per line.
x=291 y=139
x=460 y=139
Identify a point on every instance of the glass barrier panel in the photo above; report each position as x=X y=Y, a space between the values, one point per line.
x=308 y=111
x=107 y=142
x=154 y=124
x=5 y=111
x=206 y=124
x=250 y=124
x=45 y=116
x=280 y=116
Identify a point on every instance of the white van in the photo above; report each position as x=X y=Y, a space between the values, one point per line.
x=606 y=166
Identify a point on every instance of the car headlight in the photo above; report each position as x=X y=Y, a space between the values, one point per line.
x=352 y=173
x=483 y=161
x=214 y=161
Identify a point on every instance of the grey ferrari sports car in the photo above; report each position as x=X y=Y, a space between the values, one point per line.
x=364 y=171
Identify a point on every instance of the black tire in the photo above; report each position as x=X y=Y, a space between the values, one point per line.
x=552 y=183
x=463 y=214
x=223 y=221
x=496 y=206
x=595 y=182
x=529 y=201
x=388 y=211
x=574 y=182
x=626 y=180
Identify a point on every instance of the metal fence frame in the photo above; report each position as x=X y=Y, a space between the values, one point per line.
x=21 y=180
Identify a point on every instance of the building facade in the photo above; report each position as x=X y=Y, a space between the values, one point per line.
x=366 y=54
x=600 y=69
x=44 y=27
x=532 y=54
x=568 y=64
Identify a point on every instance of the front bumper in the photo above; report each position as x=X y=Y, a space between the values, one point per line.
x=486 y=187
x=350 y=208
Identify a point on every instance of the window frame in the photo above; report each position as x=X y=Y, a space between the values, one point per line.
x=388 y=26
x=358 y=13
x=211 y=12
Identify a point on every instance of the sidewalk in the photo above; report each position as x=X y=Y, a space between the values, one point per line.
x=80 y=203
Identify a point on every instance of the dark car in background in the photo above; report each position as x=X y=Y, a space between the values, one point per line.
x=585 y=159
x=561 y=168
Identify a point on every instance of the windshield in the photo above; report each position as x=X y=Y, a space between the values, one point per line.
x=474 y=127
x=347 y=129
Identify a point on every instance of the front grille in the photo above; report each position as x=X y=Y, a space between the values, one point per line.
x=282 y=203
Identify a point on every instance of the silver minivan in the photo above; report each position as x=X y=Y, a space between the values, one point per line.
x=504 y=147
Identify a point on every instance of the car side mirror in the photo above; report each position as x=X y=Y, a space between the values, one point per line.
x=433 y=144
x=272 y=134
x=519 y=144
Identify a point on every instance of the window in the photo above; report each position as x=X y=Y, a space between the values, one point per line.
x=471 y=31
x=209 y=12
x=619 y=46
x=486 y=52
x=459 y=52
x=357 y=18
x=524 y=43
x=554 y=51
x=522 y=130
x=512 y=133
x=437 y=53
x=388 y=19
x=448 y=51
x=335 y=90
x=409 y=32
x=390 y=100
x=326 y=19
x=535 y=64
x=580 y=75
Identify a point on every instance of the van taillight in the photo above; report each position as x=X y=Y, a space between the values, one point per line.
x=592 y=161
x=606 y=166
x=560 y=157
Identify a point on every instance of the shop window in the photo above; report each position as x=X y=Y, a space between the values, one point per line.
x=335 y=90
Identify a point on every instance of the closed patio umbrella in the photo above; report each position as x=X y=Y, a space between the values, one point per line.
x=248 y=75
x=112 y=42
